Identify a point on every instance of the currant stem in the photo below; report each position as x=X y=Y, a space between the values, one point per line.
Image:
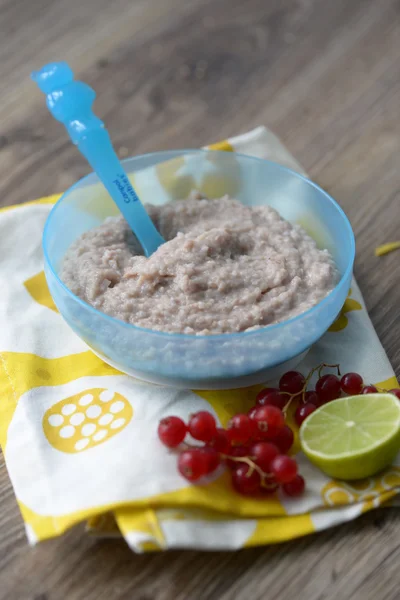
x=267 y=486
x=248 y=461
x=287 y=405
x=303 y=391
x=326 y=365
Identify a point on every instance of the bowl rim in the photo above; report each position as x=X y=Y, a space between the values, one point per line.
x=191 y=336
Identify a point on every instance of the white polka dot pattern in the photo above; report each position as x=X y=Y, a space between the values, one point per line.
x=67 y=431
x=81 y=422
x=105 y=419
x=93 y=411
x=117 y=423
x=56 y=420
x=77 y=419
x=86 y=399
x=106 y=396
x=99 y=435
x=81 y=444
x=88 y=429
x=116 y=407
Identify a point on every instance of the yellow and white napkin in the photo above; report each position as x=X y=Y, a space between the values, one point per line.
x=79 y=438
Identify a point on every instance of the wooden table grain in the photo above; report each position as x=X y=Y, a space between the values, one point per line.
x=325 y=76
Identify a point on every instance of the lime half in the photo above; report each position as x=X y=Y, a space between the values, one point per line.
x=353 y=437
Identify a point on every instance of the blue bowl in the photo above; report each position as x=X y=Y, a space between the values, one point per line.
x=190 y=361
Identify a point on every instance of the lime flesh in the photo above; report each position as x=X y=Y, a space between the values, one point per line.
x=353 y=437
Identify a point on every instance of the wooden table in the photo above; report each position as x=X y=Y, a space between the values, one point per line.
x=324 y=75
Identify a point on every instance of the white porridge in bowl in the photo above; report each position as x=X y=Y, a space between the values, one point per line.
x=224 y=268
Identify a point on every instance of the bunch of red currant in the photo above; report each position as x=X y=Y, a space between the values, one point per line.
x=254 y=446
x=294 y=385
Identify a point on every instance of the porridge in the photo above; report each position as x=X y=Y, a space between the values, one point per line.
x=224 y=268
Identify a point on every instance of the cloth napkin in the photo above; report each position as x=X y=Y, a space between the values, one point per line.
x=79 y=437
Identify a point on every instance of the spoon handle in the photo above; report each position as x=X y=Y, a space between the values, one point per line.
x=70 y=102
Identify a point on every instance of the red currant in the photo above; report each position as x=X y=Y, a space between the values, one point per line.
x=292 y=382
x=202 y=426
x=312 y=397
x=246 y=480
x=269 y=435
x=220 y=441
x=284 y=439
x=396 y=392
x=237 y=452
x=213 y=458
x=271 y=488
x=271 y=397
x=284 y=468
x=328 y=388
x=295 y=487
x=303 y=411
x=240 y=429
x=352 y=383
x=252 y=412
x=269 y=417
x=369 y=389
x=193 y=464
x=171 y=431
x=263 y=453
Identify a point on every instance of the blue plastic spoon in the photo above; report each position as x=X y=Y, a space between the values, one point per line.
x=71 y=103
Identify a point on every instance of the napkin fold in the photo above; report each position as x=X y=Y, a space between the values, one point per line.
x=79 y=437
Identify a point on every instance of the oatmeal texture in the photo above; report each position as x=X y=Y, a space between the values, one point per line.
x=224 y=268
